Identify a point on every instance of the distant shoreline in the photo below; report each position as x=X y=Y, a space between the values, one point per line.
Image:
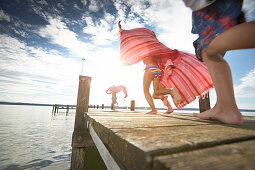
x=32 y=104
x=91 y=106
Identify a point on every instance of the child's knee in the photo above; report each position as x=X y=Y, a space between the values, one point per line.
x=156 y=93
x=208 y=56
x=154 y=96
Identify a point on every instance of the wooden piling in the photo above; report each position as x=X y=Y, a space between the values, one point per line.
x=204 y=103
x=67 y=109
x=53 y=108
x=81 y=135
x=97 y=106
x=102 y=106
x=112 y=106
x=57 y=108
x=132 y=106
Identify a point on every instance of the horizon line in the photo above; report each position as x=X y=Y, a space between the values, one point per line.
x=91 y=106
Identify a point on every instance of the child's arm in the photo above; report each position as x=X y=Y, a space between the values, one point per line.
x=108 y=91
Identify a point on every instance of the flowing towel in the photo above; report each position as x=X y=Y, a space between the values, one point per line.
x=117 y=89
x=180 y=70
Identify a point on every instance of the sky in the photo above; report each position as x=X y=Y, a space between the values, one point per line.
x=43 y=44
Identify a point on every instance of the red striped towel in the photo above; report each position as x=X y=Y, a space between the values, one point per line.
x=180 y=70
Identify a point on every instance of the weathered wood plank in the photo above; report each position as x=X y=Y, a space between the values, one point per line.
x=147 y=136
x=235 y=156
x=105 y=154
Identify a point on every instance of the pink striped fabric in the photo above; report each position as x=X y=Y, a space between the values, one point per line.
x=123 y=88
x=117 y=89
x=137 y=44
x=180 y=70
x=190 y=77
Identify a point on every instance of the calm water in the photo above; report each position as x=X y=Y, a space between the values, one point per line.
x=32 y=139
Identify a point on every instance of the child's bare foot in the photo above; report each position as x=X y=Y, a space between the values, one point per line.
x=226 y=115
x=176 y=95
x=152 y=112
x=169 y=111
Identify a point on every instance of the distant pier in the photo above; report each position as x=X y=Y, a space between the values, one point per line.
x=57 y=107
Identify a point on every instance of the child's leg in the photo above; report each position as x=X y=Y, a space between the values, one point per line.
x=160 y=90
x=239 y=37
x=225 y=109
x=167 y=104
x=147 y=79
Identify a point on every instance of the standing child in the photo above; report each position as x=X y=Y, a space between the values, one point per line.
x=172 y=72
x=221 y=27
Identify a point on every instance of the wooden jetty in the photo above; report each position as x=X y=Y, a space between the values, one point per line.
x=57 y=107
x=132 y=140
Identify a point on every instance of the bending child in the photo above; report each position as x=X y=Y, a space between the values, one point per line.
x=172 y=72
x=153 y=74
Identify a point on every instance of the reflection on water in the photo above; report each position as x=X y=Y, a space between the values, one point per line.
x=32 y=139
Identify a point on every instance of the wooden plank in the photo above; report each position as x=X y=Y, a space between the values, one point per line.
x=105 y=154
x=239 y=155
x=162 y=135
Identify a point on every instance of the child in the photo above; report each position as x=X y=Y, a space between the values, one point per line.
x=219 y=31
x=153 y=74
x=114 y=90
x=172 y=72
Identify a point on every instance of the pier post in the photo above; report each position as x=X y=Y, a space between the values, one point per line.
x=204 y=103
x=53 y=108
x=132 y=107
x=81 y=136
x=112 y=106
x=102 y=106
x=67 y=109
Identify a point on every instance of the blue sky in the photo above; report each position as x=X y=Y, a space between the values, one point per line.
x=42 y=43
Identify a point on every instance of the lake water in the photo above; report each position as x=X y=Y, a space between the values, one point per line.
x=31 y=138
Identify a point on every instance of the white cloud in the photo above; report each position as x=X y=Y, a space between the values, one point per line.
x=42 y=2
x=249 y=8
x=28 y=71
x=4 y=16
x=121 y=9
x=101 y=30
x=59 y=34
x=247 y=86
x=171 y=19
x=84 y=2
x=95 y=5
